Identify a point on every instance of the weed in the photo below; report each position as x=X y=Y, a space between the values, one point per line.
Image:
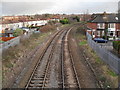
x=82 y=43
x=9 y=65
x=106 y=85
x=110 y=72
x=102 y=78
x=98 y=60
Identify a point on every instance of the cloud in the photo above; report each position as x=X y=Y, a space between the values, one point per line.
x=60 y=0
x=57 y=6
x=24 y=7
x=81 y=7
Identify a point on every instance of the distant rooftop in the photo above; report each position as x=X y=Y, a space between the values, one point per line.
x=104 y=17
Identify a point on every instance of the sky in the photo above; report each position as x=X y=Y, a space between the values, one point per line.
x=28 y=7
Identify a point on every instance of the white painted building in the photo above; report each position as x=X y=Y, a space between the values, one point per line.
x=22 y=24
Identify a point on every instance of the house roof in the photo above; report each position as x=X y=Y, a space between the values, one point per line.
x=102 y=18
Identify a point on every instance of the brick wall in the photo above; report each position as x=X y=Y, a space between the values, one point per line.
x=92 y=25
x=118 y=26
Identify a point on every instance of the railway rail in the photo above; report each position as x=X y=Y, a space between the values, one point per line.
x=66 y=83
x=99 y=83
x=40 y=75
x=41 y=81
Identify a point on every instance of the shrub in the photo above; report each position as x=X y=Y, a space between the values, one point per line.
x=116 y=46
x=107 y=37
x=77 y=18
x=64 y=21
x=17 y=32
x=47 y=28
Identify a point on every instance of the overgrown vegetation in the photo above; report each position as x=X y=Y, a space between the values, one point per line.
x=110 y=72
x=47 y=28
x=64 y=21
x=108 y=78
x=17 y=32
x=76 y=18
x=83 y=43
x=13 y=58
x=116 y=46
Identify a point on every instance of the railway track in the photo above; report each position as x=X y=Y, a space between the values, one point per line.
x=66 y=82
x=41 y=73
x=99 y=83
x=40 y=81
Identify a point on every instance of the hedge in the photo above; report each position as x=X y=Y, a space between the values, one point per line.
x=116 y=46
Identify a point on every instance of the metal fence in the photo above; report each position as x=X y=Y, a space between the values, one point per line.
x=112 y=60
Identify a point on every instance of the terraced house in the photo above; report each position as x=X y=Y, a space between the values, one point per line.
x=104 y=21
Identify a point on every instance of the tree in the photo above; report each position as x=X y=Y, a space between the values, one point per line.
x=64 y=21
x=17 y=32
x=77 y=18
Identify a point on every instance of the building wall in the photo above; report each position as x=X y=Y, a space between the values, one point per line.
x=118 y=26
x=21 y=24
x=92 y=25
x=115 y=31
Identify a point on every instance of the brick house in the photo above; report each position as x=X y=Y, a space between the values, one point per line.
x=98 y=22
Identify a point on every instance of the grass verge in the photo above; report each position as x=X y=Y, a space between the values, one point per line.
x=13 y=54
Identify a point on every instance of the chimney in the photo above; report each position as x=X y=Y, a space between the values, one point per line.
x=105 y=18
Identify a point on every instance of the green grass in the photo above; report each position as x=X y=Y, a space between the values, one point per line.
x=98 y=60
x=83 y=43
x=110 y=72
x=9 y=65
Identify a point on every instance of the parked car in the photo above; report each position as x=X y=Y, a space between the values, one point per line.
x=100 y=40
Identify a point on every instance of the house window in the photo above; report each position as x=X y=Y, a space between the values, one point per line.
x=98 y=33
x=111 y=25
x=100 y=25
x=111 y=33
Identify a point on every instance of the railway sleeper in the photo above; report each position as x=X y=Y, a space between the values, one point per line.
x=38 y=81
x=35 y=85
x=37 y=78
x=38 y=85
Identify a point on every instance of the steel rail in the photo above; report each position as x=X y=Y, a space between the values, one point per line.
x=42 y=55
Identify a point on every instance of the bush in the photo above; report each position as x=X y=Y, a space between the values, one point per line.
x=47 y=28
x=17 y=32
x=107 y=37
x=77 y=18
x=116 y=46
x=64 y=21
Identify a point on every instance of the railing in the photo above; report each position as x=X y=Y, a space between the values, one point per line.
x=112 y=60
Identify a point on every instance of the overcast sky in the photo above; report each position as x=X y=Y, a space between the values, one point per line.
x=20 y=7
